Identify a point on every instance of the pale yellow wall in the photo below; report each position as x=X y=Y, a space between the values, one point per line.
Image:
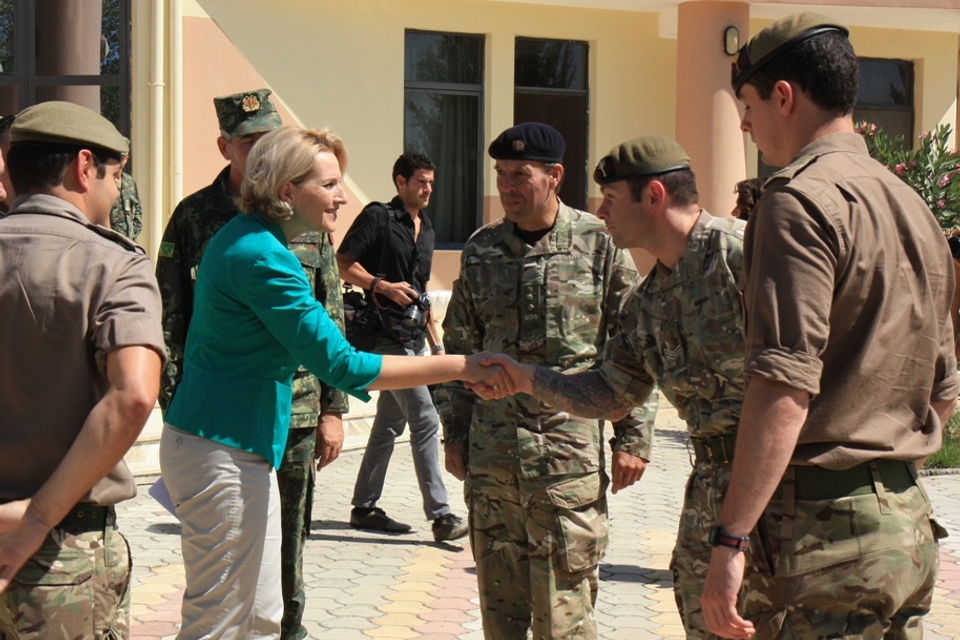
x=341 y=64
x=935 y=57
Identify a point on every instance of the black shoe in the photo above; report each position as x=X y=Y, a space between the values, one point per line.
x=376 y=519
x=449 y=527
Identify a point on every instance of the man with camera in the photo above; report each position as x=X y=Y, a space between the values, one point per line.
x=388 y=252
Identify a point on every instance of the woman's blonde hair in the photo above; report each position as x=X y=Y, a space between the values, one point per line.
x=284 y=155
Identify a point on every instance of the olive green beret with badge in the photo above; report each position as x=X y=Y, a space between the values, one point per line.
x=777 y=38
x=643 y=156
x=65 y=123
x=529 y=141
x=243 y=114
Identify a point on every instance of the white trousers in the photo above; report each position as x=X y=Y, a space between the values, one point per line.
x=229 y=508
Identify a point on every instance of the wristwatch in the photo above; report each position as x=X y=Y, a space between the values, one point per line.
x=437 y=348
x=720 y=538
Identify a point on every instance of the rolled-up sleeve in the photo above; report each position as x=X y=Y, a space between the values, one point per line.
x=790 y=265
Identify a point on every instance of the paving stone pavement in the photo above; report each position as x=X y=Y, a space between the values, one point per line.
x=363 y=585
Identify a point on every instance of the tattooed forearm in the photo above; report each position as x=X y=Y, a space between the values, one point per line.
x=582 y=394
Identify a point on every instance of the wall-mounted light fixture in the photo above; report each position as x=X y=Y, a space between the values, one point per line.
x=731 y=41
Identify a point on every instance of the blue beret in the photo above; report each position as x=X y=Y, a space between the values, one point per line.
x=529 y=141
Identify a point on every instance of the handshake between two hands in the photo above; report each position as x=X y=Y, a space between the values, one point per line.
x=493 y=376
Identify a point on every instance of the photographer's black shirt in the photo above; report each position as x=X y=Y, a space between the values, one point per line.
x=405 y=260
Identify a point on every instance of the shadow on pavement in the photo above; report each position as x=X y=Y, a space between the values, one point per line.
x=398 y=539
x=170 y=528
x=633 y=573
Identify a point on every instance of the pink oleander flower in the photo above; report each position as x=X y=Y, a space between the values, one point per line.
x=900 y=168
x=944 y=181
x=911 y=164
x=861 y=128
x=941 y=204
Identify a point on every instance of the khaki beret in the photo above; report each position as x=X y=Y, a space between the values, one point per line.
x=643 y=156
x=775 y=39
x=529 y=141
x=243 y=114
x=69 y=124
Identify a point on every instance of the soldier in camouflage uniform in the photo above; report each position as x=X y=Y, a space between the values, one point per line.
x=126 y=216
x=681 y=330
x=543 y=285
x=849 y=351
x=243 y=119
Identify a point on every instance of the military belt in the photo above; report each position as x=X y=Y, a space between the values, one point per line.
x=84 y=517
x=818 y=483
x=714 y=450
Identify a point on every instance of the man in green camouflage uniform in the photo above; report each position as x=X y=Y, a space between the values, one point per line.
x=849 y=351
x=543 y=285
x=126 y=217
x=681 y=330
x=317 y=408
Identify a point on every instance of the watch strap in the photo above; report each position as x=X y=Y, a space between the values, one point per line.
x=720 y=538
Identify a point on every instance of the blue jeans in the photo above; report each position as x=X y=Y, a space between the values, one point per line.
x=396 y=409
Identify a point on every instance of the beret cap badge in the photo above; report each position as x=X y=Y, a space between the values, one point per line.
x=529 y=141
x=606 y=166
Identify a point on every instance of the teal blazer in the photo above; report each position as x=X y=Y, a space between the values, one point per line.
x=255 y=320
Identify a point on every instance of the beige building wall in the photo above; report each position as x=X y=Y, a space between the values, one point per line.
x=341 y=64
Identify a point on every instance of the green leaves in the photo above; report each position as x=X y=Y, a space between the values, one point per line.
x=932 y=169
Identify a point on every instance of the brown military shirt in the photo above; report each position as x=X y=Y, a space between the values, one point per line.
x=848 y=285
x=70 y=293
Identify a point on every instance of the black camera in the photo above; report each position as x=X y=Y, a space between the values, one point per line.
x=413 y=314
x=954 y=243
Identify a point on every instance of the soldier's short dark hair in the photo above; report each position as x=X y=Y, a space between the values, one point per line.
x=825 y=67
x=408 y=164
x=38 y=168
x=681 y=185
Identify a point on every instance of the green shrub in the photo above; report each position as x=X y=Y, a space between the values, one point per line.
x=949 y=455
x=932 y=169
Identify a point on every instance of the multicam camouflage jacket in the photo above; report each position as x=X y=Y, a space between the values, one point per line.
x=195 y=220
x=683 y=331
x=126 y=217
x=553 y=304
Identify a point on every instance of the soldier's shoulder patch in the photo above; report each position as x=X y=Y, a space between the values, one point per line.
x=791 y=170
x=166 y=249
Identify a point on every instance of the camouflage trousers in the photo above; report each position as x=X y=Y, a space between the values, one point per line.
x=861 y=566
x=74 y=586
x=702 y=500
x=296 y=479
x=537 y=543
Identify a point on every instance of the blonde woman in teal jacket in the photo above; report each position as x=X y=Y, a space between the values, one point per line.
x=255 y=321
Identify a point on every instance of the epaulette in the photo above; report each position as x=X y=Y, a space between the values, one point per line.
x=104 y=232
x=117 y=237
x=790 y=171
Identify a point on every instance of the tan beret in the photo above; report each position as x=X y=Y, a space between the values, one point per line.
x=67 y=123
x=777 y=38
